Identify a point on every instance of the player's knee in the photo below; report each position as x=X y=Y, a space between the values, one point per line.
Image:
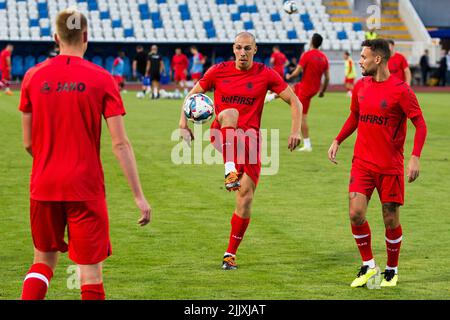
x=390 y=215
x=229 y=117
x=357 y=216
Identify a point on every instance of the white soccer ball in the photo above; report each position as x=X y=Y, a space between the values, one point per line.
x=140 y=95
x=290 y=7
x=198 y=108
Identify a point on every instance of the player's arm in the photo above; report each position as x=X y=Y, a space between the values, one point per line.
x=408 y=76
x=325 y=83
x=295 y=73
x=185 y=131
x=296 y=112
x=8 y=62
x=26 y=131
x=147 y=69
x=419 y=141
x=124 y=153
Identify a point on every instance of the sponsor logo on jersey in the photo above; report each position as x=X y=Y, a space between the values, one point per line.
x=71 y=87
x=238 y=100
x=374 y=119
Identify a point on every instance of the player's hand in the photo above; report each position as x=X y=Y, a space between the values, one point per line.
x=321 y=94
x=146 y=211
x=413 y=169
x=294 y=141
x=332 y=152
x=186 y=134
x=288 y=76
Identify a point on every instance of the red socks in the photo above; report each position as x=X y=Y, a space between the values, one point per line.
x=393 y=243
x=363 y=238
x=238 y=228
x=36 y=282
x=92 y=292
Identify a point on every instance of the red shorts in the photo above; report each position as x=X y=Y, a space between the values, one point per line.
x=87 y=229
x=6 y=75
x=179 y=75
x=196 y=76
x=350 y=81
x=304 y=98
x=248 y=160
x=390 y=187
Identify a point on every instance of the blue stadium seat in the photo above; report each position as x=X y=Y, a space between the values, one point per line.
x=292 y=34
x=104 y=15
x=235 y=16
x=30 y=61
x=342 y=35
x=275 y=17
x=357 y=26
x=2 y=5
x=98 y=61
x=128 y=33
x=249 y=25
x=109 y=63
x=17 y=68
x=45 y=32
x=116 y=23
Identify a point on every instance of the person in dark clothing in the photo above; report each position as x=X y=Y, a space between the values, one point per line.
x=425 y=67
x=443 y=69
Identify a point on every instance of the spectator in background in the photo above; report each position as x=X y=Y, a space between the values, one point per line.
x=198 y=61
x=443 y=69
x=278 y=61
x=139 y=68
x=155 y=68
x=371 y=34
x=179 y=66
x=291 y=67
x=448 y=64
x=5 y=68
x=118 y=71
x=425 y=66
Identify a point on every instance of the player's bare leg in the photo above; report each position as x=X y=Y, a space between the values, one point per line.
x=228 y=120
x=393 y=236
x=358 y=204
x=91 y=281
x=239 y=220
x=155 y=89
x=305 y=134
x=38 y=278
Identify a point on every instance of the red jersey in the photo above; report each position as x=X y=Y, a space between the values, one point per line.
x=67 y=97
x=382 y=108
x=314 y=64
x=397 y=65
x=180 y=62
x=4 y=55
x=279 y=60
x=244 y=90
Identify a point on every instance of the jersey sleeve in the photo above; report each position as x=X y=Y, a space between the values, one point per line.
x=404 y=63
x=409 y=103
x=354 y=106
x=25 y=101
x=208 y=80
x=275 y=82
x=112 y=101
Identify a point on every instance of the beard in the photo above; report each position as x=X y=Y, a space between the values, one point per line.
x=368 y=72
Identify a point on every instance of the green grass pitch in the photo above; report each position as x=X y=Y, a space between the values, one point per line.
x=298 y=245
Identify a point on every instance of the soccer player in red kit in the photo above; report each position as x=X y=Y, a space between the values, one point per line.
x=5 y=68
x=179 y=65
x=239 y=90
x=314 y=64
x=62 y=102
x=381 y=104
x=278 y=61
x=398 y=65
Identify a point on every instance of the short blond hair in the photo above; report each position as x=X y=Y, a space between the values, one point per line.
x=70 y=26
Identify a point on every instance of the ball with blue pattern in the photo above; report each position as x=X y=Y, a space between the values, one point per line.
x=199 y=108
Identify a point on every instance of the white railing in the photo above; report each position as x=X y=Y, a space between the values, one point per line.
x=413 y=21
